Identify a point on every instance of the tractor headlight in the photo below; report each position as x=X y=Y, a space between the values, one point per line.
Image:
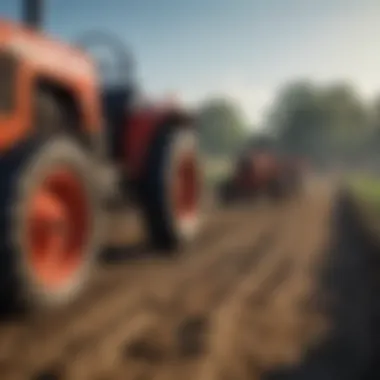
x=8 y=74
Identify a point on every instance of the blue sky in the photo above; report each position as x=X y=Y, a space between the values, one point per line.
x=244 y=48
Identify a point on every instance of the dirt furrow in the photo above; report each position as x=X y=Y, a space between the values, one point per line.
x=45 y=340
x=259 y=325
x=212 y=312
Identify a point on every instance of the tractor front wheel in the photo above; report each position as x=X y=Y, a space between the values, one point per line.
x=52 y=223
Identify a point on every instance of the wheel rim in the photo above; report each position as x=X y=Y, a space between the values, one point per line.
x=186 y=188
x=57 y=228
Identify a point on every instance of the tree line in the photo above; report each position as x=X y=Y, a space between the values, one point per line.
x=328 y=124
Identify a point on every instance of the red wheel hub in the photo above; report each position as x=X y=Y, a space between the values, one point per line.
x=57 y=227
x=186 y=187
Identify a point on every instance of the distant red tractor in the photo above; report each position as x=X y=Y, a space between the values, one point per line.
x=58 y=127
x=262 y=171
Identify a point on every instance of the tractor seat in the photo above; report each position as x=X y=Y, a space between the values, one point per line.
x=117 y=105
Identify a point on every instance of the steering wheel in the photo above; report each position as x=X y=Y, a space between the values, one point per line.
x=118 y=71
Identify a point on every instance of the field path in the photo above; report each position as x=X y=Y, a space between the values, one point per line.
x=260 y=289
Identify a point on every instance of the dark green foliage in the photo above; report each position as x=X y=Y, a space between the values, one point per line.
x=222 y=127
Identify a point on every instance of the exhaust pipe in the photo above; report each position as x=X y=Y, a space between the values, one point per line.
x=33 y=13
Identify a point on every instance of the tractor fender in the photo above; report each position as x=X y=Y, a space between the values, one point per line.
x=145 y=126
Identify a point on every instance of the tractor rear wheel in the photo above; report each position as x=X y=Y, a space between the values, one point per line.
x=51 y=218
x=172 y=189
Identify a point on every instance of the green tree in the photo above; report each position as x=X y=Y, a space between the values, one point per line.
x=372 y=139
x=297 y=120
x=347 y=119
x=325 y=123
x=221 y=126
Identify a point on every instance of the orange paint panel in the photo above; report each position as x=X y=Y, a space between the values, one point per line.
x=59 y=63
x=16 y=126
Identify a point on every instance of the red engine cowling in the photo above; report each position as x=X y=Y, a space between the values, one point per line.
x=142 y=127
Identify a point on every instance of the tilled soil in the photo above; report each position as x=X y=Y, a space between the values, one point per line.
x=258 y=296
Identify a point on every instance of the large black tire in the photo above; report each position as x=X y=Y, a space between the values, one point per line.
x=26 y=172
x=166 y=230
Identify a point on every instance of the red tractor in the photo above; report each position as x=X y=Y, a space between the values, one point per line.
x=59 y=126
x=261 y=171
